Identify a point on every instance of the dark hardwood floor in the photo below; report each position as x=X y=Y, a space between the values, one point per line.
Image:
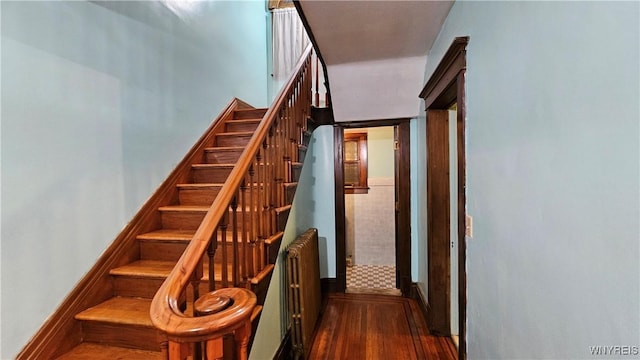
x=357 y=326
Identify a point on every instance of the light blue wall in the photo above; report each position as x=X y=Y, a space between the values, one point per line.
x=99 y=103
x=552 y=175
x=313 y=206
x=317 y=193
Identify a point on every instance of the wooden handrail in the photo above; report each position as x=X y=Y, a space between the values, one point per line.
x=277 y=130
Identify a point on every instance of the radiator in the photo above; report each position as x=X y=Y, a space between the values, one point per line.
x=304 y=298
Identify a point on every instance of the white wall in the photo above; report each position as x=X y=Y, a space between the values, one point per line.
x=99 y=102
x=377 y=89
x=552 y=175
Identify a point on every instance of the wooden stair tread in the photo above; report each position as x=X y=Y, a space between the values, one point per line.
x=95 y=351
x=199 y=186
x=235 y=133
x=224 y=148
x=145 y=268
x=161 y=269
x=283 y=208
x=212 y=166
x=245 y=121
x=262 y=274
x=184 y=208
x=120 y=310
x=256 y=312
x=168 y=235
x=274 y=237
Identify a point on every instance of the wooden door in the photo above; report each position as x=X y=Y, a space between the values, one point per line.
x=438 y=232
x=402 y=135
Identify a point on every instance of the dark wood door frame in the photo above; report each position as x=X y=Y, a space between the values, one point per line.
x=446 y=87
x=403 y=199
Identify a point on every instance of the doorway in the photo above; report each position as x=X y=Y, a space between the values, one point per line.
x=369 y=179
x=446 y=202
x=373 y=217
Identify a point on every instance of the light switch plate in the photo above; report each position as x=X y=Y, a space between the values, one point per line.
x=468 y=229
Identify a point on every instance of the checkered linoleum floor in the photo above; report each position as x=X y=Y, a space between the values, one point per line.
x=371 y=277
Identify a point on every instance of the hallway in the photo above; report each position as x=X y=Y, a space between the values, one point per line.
x=356 y=326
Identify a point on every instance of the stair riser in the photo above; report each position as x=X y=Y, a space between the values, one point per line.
x=136 y=286
x=223 y=156
x=281 y=219
x=289 y=193
x=171 y=251
x=148 y=287
x=184 y=220
x=161 y=251
x=240 y=126
x=249 y=114
x=232 y=140
x=122 y=335
x=296 y=171
x=210 y=175
x=302 y=152
x=198 y=197
x=306 y=138
x=191 y=220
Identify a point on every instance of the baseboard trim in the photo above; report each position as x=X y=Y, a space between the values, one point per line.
x=284 y=350
x=418 y=295
x=328 y=285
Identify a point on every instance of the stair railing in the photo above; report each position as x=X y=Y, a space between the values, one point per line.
x=243 y=216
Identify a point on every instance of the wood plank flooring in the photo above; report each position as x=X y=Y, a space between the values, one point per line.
x=358 y=326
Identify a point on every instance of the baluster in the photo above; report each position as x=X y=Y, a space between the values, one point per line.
x=211 y=252
x=245 y=229
x=260 y=189
x=279 y=154
x=252 y=228
x=268 y=228
x=273 y=156
x=215 y=349
x=264 y=203
x=275 y=140
x=235 y=262
x=241 y=335
x=269 y=183
x=178 y=351
x=317 y=82
x=196 y=278
x=295 y=123
x=223 y=233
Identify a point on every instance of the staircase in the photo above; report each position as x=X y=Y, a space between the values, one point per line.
x=120 y=327
x=215 y=223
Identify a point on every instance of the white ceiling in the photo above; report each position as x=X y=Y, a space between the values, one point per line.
x=375 y=52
